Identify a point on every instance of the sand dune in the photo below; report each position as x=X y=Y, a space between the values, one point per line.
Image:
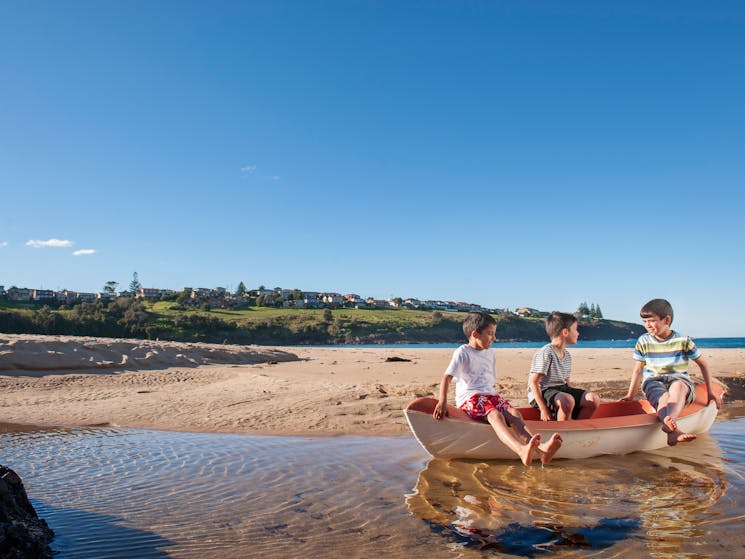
x=67 y=353
x=249 y=389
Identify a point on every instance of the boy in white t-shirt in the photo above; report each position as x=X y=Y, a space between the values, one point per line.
x=473 y=367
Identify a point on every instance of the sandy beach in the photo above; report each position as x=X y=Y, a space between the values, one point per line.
x=72 y=381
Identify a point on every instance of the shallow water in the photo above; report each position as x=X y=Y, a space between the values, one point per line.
x=151 y=494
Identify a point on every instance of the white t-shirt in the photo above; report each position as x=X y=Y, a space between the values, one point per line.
x=474 y=372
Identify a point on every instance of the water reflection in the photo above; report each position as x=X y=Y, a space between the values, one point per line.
x=149 y=494
x=654 y=504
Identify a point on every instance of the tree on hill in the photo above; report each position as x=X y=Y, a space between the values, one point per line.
x=583 y=310
x=134 y=285
x=110 y=288
x=592 y=312
x=240 y=290
x=183 y=297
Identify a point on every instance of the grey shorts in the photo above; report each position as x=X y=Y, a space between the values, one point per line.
x=656 y=387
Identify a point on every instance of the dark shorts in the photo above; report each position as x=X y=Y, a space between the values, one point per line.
x=656 y=387
x=549 y=395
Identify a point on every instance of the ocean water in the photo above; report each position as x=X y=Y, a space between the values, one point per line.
x=110 y=493
x=721 y=343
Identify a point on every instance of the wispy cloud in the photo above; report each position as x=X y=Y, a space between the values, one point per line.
x=50 y=243
x=84 y=252
x=274 y=178
x=3 y=244
x=248 y=169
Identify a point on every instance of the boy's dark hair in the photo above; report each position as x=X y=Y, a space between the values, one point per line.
x=477 y=321
x=557 y=321
x=657 y=307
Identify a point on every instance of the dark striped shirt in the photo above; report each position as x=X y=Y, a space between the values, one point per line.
x=555 y=369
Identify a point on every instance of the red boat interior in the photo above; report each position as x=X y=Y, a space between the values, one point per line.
x=626 y=412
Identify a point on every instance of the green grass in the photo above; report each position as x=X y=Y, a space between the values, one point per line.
x=392 y=317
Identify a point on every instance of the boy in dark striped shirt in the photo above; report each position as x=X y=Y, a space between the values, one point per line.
x=548 y=383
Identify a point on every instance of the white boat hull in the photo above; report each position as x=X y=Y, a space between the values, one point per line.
x=464 y=438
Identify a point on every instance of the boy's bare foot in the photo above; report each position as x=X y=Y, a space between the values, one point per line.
x=676 y=437
x=526 y=452
x=553 y=444
x=669 y=425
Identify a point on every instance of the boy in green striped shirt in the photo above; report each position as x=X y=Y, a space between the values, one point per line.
x=662 y=357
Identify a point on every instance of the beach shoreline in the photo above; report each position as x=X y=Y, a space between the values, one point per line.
x=72 y=382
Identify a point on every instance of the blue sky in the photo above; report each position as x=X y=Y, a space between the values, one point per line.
x=505 y=153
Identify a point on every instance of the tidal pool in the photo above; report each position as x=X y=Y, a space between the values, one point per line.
x=152 y=494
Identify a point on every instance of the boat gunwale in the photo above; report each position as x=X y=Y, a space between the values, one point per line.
x=642 y=417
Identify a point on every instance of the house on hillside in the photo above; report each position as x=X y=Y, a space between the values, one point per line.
x=332 y=299
x=65 y=296
x=527 y=311
x=18 y=294
x=376 y=303
x=42 y=295
x=148 y=293
x=353 y=300
x=106 y=297
x=312 y=300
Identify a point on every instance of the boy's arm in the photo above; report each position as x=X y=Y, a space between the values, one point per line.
x=538 y=395
x=638 y=368
x=442 y=401
x=707 y=381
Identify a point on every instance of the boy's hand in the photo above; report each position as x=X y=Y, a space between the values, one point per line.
x=440 y=411
x=717 y=399
x=626 y=399
x=546 y=415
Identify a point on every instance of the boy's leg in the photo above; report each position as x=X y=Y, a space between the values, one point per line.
x=524 y=450
x=588 y=404
x=564 y=404
x=545 y=450
x=668 y=411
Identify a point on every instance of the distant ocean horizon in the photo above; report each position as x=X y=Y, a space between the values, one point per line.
x=705 y=343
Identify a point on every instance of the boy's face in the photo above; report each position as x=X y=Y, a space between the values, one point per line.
x=483 y=339
x=658 y=327
x=572 y=334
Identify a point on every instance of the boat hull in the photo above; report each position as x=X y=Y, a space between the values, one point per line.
x=616 y=428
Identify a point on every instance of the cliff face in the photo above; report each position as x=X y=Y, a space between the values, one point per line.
x=23 y=535
x=282 y=327
x=610 y=330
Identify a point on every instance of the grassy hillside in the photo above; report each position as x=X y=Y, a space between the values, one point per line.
x=264 y=325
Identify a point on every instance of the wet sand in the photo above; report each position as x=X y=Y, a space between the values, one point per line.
x=72 y=381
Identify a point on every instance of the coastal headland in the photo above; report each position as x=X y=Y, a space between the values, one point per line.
x=197 y=387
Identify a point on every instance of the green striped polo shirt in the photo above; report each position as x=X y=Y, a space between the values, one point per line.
x=665 y=357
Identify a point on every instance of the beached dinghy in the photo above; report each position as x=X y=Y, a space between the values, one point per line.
x=616 y=428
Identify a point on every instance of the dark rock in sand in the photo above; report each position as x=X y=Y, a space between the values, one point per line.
x=23 y=535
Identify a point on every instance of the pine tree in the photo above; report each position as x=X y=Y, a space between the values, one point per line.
x=583 y=310
x=598 y=313
x=241 y=290
x=134 y=285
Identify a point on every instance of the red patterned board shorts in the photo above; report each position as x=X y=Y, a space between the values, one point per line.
x=479 y=405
